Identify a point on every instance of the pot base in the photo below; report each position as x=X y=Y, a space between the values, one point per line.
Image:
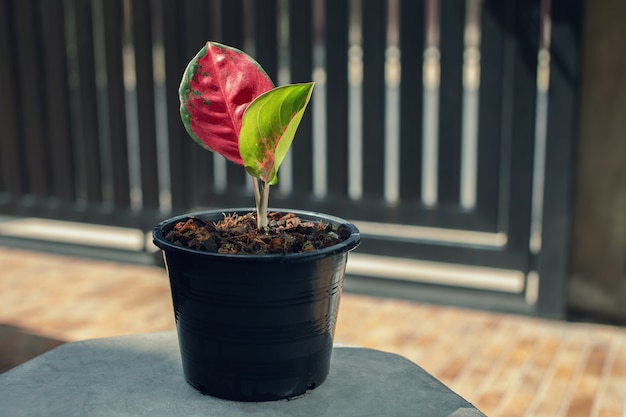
x=262 y=381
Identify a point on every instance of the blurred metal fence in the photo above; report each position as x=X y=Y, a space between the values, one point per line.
x=443 y=128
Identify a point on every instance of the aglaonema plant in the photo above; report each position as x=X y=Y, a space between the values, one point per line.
x=229 y=105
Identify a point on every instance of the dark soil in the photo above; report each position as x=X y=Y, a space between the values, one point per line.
x=239 y=235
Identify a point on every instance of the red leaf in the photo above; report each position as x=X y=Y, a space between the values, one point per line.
x=217 y=87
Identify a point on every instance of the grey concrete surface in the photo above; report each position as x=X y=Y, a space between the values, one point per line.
x=141 y=375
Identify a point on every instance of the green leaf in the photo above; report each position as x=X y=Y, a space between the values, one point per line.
x=268 y=128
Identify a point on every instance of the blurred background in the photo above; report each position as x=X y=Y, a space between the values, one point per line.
x=477 y=144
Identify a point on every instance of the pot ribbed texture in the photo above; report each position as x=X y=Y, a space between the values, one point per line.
x=255 y=328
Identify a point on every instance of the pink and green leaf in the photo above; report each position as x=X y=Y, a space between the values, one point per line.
x=217 y=87
x=268 y=128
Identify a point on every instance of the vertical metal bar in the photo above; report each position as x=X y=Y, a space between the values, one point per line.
x=319 y=103
x=541 y=122
x=285 y=175
x=392 y=104
x=301 y=70
x=142 y=39
x=506 y=24
x=113 y=21
x=11 y=175
x=131 y=108
x=102 y=98
x=430 y=125
x=232 y=23
x=161 y=108
x=355 y=101
x=174 y=65
x=266 y=36
x=336 y=48
x=452 y=24
x=374 y=20
x=494 y=99
x=89 y=139
x=471 y=113
x=57 y=102
x=553 y=262
x=33 y=124
x=411 y=124
x=524 y=74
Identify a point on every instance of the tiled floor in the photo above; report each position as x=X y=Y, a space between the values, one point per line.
x=506 y=365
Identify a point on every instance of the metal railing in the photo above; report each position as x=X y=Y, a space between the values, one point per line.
x=437 y=125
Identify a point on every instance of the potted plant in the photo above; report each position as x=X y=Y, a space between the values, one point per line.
x=255 y=291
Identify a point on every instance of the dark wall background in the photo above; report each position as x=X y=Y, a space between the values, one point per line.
x=597 y=285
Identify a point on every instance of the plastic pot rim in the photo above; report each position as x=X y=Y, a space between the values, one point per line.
x=345 y=246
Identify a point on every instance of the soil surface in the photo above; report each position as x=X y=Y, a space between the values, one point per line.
x=237 y=234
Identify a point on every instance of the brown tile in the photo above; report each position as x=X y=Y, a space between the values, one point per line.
x=608 y=413
x=489 y=402
x=507 y=365
x=580 y=406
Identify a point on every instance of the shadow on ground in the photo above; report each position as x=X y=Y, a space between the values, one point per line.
x=18 y=345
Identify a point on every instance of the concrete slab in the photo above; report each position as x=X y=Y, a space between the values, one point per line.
x=141 y=375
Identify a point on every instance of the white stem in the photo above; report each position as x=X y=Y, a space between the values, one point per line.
x=255 y=187
x=261 y=196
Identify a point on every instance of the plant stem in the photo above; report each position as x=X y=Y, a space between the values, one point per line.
x=261 y=197
x=257 y=194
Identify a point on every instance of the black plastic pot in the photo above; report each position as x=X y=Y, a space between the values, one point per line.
x=255 y=328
